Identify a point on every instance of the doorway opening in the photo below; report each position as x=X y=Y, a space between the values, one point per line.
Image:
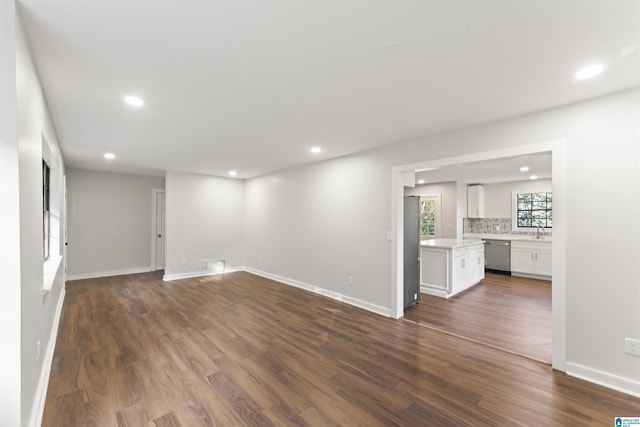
x=558 y=303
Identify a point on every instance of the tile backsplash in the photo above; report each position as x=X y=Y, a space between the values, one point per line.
x=492 y=226
x=487 y=225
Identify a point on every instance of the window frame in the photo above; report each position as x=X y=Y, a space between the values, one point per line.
x=515 y=211
x=46 y=210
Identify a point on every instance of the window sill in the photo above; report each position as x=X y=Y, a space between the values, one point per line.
x=50 y=270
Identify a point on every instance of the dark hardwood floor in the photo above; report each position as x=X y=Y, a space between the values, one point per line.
x=237 y=349
x=508 y=312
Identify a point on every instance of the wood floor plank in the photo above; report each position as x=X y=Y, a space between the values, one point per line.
x=237 y=349
x=507 y=312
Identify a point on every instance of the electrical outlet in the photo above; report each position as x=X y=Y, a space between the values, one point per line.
x=632 y=346
x=351 y=280
x=261 y=260
x=184 y=260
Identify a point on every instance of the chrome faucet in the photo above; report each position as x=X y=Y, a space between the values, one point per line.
x=539 y=233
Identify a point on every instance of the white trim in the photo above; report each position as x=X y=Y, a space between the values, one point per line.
x=559 y=258
x=383 y=311
x=531 y=276
x=558 y=150
x=605 y=379
x=97 y=274
x=435 y=292
x=37 y=410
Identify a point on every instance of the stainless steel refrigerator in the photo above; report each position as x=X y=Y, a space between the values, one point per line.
x=411 y=250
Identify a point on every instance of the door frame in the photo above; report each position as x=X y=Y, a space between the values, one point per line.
x=559 y=244
x=154 y=194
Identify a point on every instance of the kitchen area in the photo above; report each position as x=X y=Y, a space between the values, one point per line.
x=485 y=243
x=494 y=216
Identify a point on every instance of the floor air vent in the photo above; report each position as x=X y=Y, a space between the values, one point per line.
x=213 y=265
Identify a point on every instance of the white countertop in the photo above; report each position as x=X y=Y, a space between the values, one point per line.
x=448 y=243
x=546 y=238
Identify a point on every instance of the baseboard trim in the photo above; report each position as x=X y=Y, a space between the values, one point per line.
x=43 y=385
x=605 y=379
x=383 y=311
x=178 y=276
x=109 y=273
x=435 y=292
x=531 y=276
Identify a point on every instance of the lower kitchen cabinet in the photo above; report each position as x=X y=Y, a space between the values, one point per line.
x=448 y=270
x=531 y=258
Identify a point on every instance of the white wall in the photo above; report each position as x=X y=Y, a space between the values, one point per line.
x=10 y=219
x=204 y=221
x=497 y=197
x=322 y=223
x=109 y=223
x=319 y=223
x=39 y=312
x=448 y=192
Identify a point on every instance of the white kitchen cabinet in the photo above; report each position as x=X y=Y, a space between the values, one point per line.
x=530 y=258
x=448 y=266
x=475 y=201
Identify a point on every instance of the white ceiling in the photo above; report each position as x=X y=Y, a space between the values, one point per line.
x=251 y=85
x=487 y=172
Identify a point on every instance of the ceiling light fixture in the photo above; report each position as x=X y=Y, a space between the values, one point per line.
x=134 y=101
x=421 y=181
x=316 y=150
x=524 y=169
x=589 y=71
x=233 y=173
x=109 y=156
x=533 y=177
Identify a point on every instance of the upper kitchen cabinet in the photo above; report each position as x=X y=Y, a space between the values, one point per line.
x=475 y=201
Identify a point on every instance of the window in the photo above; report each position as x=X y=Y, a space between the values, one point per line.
x=533 y=209
x=46 y=209
x=428 y=217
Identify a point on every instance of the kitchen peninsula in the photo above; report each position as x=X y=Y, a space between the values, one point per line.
x=449 y=266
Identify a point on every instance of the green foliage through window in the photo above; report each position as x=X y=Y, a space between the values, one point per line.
x=534 y=210
x=428 y=217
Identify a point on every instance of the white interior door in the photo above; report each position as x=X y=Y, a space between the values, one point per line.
x=64 y=226
x=160 y=230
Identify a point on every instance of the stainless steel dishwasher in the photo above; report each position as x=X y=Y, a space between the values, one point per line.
x=497 y=255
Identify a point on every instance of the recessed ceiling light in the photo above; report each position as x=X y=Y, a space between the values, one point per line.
x=421 y=181
x=532 y=177
x=589 y=71
x=109 y=156
x=134 y=101
x=316 y=150
x=233 y=173
x=524 y=169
